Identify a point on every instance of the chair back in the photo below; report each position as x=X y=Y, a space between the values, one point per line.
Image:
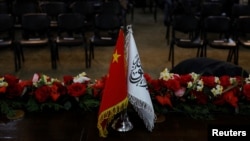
x=35 y=25
x=107 y=25
x=6 y=22
x=185 y=23
x=107 y=22
x=86 y=8
x=211 y=9
x=71 y=22
x=21 y=8
x=240 y=10
x=53 y=8
x=6 y=29
x=217 y=24
x=35 y=21
x=4 y=8
x=111 y=7
x=243 y=25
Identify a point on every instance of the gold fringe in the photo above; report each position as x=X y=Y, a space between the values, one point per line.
x=109 y=115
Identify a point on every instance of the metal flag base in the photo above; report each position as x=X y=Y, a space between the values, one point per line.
x=122 y=123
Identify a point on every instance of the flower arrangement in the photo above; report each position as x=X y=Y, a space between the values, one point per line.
x=199 y=96
x=46 y=93
x=193 y=94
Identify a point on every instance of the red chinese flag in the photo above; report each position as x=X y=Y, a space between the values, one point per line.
x=114 y=98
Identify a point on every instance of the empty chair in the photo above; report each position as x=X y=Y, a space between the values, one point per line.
x=7 y=36
x=21 y=8
x=86 y=9
x=188 y=25
x=35 y=34
x=211 y=9
x=4 y=8
x=114 y=7
x=221 y=37
x=242 y=30
x=240 y=10
x=70 y=33
x=53 y=9
x=107 y=27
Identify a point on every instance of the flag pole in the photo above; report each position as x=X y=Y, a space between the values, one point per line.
x=122 y=123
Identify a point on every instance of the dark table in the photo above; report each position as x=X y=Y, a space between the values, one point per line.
x=77 y=126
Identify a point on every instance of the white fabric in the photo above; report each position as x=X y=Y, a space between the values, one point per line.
x=137 y=87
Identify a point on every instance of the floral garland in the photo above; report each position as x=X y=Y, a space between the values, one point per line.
x=46 y=93
x=193 y=94
x=199 y=96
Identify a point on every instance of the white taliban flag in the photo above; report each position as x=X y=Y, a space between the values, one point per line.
x=137 y=86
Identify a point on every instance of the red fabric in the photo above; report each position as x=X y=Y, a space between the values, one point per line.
x=115 y=90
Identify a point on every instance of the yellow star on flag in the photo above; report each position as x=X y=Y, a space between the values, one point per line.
x=115 y=57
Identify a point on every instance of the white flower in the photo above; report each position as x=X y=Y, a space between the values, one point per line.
x=2 y=82
x=217 y=80
x=217 y=90
x=232 y=80
x=195 y=76
x=247 y=79
x=200 y=86
x=165 y=75
x=43 y=79
x=81 y=78
x=189 y=84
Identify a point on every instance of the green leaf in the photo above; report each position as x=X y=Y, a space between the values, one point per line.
x=87 y=102
x=51 y=105
x=5 y=108
x=67 y=105
x=32 y=105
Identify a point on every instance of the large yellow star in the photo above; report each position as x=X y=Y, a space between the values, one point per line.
x=115 y=57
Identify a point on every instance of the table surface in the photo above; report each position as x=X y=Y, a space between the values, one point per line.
x=76 y=126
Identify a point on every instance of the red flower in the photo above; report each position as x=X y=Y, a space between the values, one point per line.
x=155 y=85
x=209 y=81
x=147 y=77
x=246 y=91
x=54 y=93
x=25 y=83
x=68 y=79
x=98 y=86
x=42 y=93
x=164 y=100
x=228 y=97
x=14 y=91
x=3 y=90
x=201 y=98
x=225 y=81
x=173 y=84
x=11 y=79
x=61 y=89
x=76 y=89
x=184 y=79
x=231 y=98
x=239 y=80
